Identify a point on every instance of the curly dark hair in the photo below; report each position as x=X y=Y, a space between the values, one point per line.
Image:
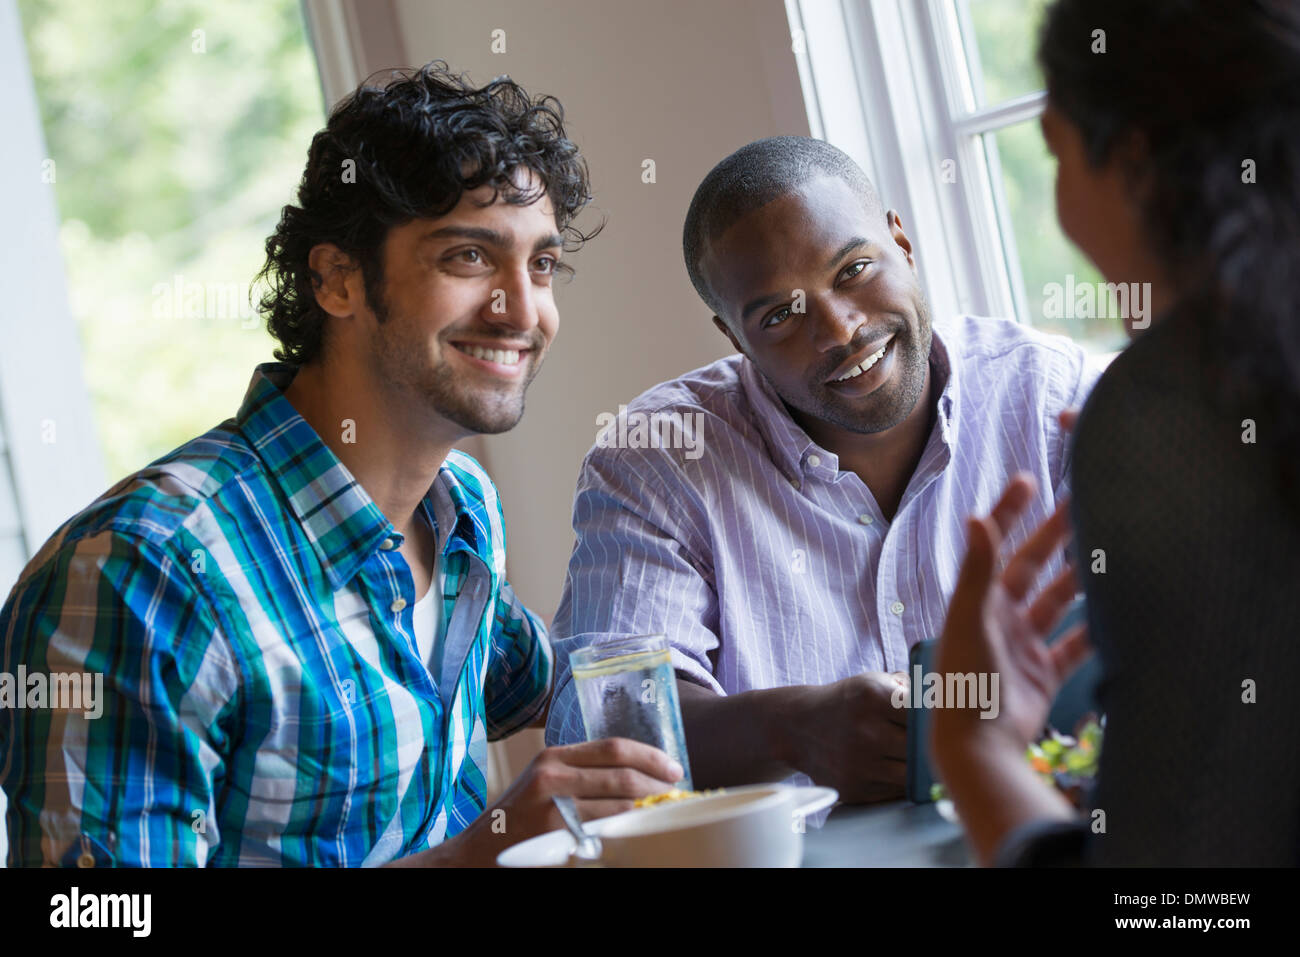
x=1206 y=85
x=417 y=143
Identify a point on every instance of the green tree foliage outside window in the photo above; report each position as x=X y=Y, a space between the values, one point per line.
x=178 y=130
x=1006 y=41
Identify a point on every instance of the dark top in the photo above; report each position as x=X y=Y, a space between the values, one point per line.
x=1199 y=603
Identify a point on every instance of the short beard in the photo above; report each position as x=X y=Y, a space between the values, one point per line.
x=490 y=415
x=404 y=369
x=914 y=354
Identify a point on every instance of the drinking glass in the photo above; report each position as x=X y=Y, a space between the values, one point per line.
x=627 y=689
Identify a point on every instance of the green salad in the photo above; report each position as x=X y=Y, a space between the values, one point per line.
x=1068 y=763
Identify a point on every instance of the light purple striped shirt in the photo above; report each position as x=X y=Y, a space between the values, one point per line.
x=762 y=562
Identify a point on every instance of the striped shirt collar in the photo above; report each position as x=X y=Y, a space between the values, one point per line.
x=790 y=445
x=341 y=520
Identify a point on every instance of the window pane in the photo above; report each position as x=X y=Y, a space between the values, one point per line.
x=1053 y=270
x=175 y=144
x=1001 y=44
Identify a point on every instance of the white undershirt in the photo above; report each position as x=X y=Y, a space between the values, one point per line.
x=427 y=615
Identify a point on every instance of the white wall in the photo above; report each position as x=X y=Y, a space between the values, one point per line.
x=682 y=82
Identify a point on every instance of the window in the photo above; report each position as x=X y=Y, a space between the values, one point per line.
x=939 y=100
x=166 y=192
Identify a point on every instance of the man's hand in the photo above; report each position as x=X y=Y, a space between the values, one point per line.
x=605 y=777
x=848 y=735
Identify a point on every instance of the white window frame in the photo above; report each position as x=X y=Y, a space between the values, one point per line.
x=51 y=449
x=887 y=81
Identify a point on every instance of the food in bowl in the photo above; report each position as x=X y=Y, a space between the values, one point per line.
x=750 y=826
x=675 y=794
x=757 y=825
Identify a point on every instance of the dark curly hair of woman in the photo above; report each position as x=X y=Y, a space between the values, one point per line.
x=408 y=150
x=1212 y=90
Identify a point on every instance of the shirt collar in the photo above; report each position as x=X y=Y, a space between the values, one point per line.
x=455 y=506
x=791 y=448
x=946 y=372
x=340 y=519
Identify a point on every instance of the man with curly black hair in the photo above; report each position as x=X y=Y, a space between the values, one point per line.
x=302 y=617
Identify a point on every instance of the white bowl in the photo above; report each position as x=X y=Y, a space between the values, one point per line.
x=759 y=825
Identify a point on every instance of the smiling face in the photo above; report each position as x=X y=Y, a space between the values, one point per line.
x=857 y=354
x=468 y=310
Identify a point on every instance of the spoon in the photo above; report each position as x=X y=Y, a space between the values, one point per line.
x=586 y=846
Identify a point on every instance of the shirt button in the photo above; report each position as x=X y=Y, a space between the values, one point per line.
x=388 y=544
x=398 y=605
x=794 y=483
x=865 y=519
x=814 y=461
x=896 y=608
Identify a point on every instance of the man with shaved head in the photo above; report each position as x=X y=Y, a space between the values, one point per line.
x=814 y=534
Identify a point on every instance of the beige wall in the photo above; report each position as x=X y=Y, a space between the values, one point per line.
x=682 y=82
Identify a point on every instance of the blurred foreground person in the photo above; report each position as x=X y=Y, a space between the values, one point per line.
x=1179 y=152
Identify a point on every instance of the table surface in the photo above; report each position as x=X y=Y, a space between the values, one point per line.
x=894 y=834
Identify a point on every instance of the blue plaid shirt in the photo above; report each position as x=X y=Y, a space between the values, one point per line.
x=265 y=699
